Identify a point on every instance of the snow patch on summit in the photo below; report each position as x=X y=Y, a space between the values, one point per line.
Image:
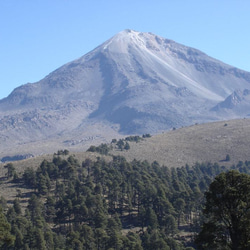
x=121 y=42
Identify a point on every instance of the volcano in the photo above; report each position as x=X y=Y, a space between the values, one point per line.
x=134 y=83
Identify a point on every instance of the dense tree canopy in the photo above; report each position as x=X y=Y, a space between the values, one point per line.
x=122 y=205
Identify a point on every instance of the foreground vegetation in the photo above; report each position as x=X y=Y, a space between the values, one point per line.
x=107 y=205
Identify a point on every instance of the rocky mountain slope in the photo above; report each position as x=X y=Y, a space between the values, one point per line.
x=133 y=83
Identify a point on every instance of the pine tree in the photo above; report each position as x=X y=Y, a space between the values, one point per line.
x=6 y=239
x=10 y=170
x=227 y=213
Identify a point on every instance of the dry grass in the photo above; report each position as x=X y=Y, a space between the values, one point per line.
x=209 y=142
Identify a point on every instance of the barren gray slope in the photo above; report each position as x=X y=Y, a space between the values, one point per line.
x=133 y=83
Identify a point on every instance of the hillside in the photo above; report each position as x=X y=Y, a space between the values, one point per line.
x=144 y=204
x=209 y=142
x=104 y=204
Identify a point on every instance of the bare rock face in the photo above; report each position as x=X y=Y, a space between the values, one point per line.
x=133 y=83
x=234 y=100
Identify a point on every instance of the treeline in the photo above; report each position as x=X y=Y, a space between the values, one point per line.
x=108 y=205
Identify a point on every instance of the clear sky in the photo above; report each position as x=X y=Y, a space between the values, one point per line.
x=38 y=36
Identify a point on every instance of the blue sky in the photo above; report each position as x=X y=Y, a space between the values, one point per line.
x=38 y=36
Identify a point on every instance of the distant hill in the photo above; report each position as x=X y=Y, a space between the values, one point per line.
x=210 y=142
x=134 y=83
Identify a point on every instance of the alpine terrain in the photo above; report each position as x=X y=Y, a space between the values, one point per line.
x=134 y=83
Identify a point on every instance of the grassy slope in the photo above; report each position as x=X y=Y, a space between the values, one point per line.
x=197 y=143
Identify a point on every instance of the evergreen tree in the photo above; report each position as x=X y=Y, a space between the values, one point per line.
x=10 y=170
x=127 y=146
x=6 y=239
x=227 y=212
x=30 y=178
x=17 y=207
